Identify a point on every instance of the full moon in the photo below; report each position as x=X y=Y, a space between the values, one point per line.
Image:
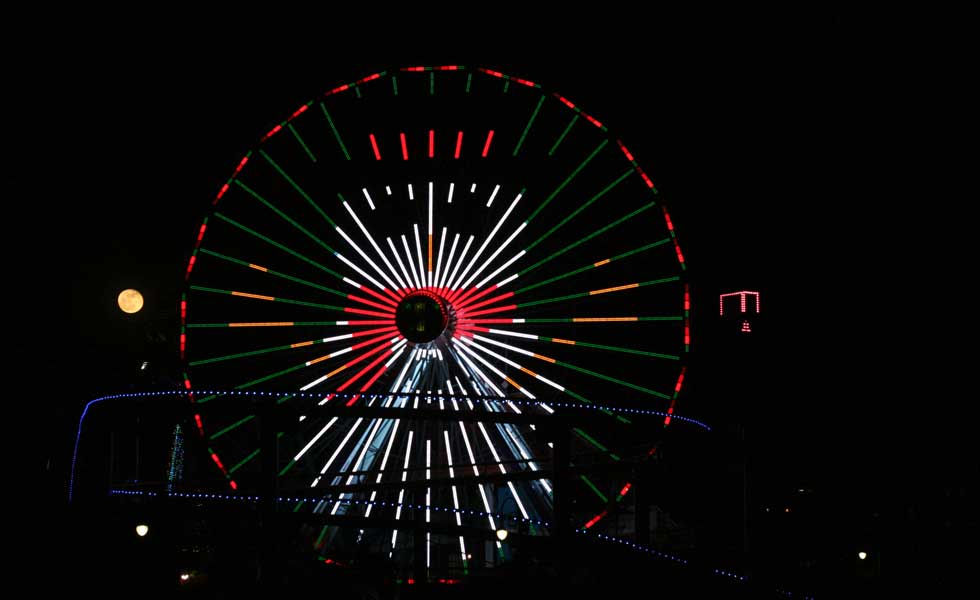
x=130 y=301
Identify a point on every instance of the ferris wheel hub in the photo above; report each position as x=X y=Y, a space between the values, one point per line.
x=422 y=316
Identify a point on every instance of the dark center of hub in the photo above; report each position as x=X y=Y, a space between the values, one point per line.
x=421 y=317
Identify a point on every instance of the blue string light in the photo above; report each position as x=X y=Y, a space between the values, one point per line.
x=477 y=399
x=406 y=505
x=429 y=397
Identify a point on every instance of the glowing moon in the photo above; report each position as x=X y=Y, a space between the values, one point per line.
x=130 y=301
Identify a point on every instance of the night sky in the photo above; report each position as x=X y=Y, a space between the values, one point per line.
x=754 y=134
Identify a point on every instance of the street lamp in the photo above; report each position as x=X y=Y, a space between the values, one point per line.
x=862 y=555
x=142 y=530
x=502 y=534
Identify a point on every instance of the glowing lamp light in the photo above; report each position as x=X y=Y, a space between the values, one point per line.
x=184 y=576
x=130 y=301
x=502 y=534
x=142 y=530
x=862 y=555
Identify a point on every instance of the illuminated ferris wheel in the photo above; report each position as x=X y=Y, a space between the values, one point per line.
x=435 y=238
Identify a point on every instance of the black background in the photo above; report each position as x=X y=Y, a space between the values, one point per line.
x=765 y=137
